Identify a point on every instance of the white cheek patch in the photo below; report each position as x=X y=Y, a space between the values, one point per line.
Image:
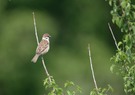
x=46 y=38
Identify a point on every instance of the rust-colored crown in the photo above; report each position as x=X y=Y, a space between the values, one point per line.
x=46 y=35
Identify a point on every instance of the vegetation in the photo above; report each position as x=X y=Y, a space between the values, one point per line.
x=72 y=24
x=123 y=15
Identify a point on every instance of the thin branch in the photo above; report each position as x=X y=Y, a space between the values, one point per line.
x=43 y=62
x=113 y=36
x=35 y=28
x=92 y=70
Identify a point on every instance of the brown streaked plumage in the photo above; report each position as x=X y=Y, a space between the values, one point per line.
x=42 y=48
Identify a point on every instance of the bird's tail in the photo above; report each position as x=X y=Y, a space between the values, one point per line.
x=34 y=59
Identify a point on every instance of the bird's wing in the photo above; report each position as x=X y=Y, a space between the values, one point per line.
x=42 y=46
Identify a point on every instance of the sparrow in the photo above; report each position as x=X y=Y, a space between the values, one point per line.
x=42 y=48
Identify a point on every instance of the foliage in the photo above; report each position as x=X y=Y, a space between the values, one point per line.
x=102 y=91
x=77 y=20
x=69 y=88
x=54 y=89
x=123 y=15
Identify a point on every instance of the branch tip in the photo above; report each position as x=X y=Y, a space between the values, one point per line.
x=92 y=70
x=113 y=36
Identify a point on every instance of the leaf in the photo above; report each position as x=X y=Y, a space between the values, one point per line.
x=133 y=6
x=112 y=68
x=68 y=83
x=110 y=2
x=69 y=93
x=123 y=4
x=119 y=22
x=120 y=43
x=79 y=88
x=110 y=88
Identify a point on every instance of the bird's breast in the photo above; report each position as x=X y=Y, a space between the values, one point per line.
x=46 y=50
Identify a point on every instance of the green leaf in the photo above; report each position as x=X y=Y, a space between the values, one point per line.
x=133 y=6
x=119 y=44
x=68 y=83
x=112 y=68
x=119 y=21
x=110 y=2
x=79 y=88
x=69 y=93
x=123 y=4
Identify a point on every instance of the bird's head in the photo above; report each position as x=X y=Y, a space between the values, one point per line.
x=46 y=36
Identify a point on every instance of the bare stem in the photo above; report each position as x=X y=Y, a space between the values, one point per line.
x=113 y=36
x=43 y=62
x=92 y=70
x=35 y=28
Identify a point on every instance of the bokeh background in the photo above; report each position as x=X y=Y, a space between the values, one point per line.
x=72 y=24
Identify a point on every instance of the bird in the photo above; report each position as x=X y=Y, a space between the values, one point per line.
x=42 y=48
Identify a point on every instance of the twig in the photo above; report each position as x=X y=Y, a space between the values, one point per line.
x=91 y=66
x=35 y=28
x=113 y=36
x=43 y=62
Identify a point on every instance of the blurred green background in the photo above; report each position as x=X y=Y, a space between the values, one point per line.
x=72 y=24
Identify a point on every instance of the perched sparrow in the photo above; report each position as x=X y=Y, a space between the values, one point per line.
x=42 y=48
